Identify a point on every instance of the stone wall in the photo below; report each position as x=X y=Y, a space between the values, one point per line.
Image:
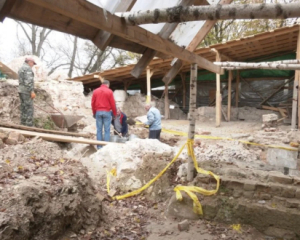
x=269 y=201
x=241 y=113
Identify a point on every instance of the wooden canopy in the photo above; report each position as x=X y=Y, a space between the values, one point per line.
x=88 y=21
x=269 y=44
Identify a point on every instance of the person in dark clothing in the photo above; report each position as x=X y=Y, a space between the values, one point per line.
x=120 y=123
x=26 y=92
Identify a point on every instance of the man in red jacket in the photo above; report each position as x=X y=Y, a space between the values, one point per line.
x=102 y=103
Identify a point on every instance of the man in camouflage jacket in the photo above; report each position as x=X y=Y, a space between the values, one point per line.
x=26 y=91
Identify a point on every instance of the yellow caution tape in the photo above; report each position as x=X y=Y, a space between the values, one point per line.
x=188 y=189
x=138 y=191
x=113 y=173
x=224 y=138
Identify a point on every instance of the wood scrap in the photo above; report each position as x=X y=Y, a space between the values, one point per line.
x=274 y=109
x=56 y=138
x=41 y=130
x=224 y=114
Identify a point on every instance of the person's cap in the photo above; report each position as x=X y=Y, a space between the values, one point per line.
x=30 y=59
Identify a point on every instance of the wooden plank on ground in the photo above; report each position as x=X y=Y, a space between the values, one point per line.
x=56 y=138
x=41 y=130
x=274 y=109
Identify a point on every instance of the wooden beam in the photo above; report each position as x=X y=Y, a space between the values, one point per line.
x=87 y=13
x=149 y=54
x=192 y=46
x=218 y=94
x=213 y=12
x=229 y=96
x=41 y=130
x=182 y=75
x=296 y=95
x=192 y=117
x=5 y=7
x=257 y=92
x=7 y=71
x=276 y=91
x=56 y=138
x=148 y=100
x=223 y=57
x=274 y=109
x=167 y=103
x=103 y=38
x=237 y=87
x=127 y=84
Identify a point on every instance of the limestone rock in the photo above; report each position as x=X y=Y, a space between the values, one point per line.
x=181 y=209
x=3 y=136
x=269 y=118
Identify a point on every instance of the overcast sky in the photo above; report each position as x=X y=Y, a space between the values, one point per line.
x=8 y=42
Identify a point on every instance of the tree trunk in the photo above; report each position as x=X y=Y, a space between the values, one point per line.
x=213 y=12
x=261 y=65
x=192 y=116
x=73 y=58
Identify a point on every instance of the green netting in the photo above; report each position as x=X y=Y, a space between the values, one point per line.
x=204 y=75
x=2 y=75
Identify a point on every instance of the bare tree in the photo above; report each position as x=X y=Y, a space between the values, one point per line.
x=72 y=63
x=36 y=37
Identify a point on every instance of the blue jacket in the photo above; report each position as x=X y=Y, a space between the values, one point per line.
x=154 y=119
x=123 y=120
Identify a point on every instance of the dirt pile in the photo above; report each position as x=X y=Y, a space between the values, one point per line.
x=44 y=195
x=10 y=105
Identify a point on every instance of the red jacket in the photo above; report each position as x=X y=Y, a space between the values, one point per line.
x=103 y=100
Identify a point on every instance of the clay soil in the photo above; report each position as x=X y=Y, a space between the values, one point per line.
x=86 y=212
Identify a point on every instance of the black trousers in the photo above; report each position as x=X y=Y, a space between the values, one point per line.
x=154 y=134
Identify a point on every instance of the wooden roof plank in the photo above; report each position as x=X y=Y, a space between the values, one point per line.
x=103 y=38
x=94 y=16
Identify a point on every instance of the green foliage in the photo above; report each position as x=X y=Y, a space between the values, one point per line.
x=227 y=30
x=44 y=123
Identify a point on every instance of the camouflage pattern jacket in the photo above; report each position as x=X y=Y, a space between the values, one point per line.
x=26 y=79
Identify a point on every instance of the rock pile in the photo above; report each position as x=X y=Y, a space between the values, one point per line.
x=242 y=113
x=134 y=105
x=128 y=159
x=270 y=120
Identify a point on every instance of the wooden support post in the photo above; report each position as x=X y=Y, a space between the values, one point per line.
x=218 y=95
x=148 y=85
x=295 y=101
x=229 y=96
x=192 y=116
x=298 y=80
x=182 y=75
x=126 y=85
x=296 y=95
x=167 y=104
x=237 y=85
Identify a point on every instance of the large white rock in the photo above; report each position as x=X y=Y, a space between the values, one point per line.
x=126 y=158
x=268 y=118
x=120 y=95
